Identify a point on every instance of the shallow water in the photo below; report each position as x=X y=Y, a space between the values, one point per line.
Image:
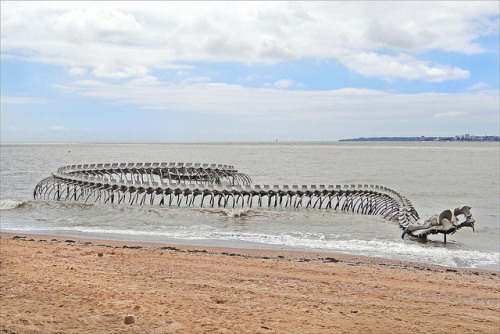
x=434 y=176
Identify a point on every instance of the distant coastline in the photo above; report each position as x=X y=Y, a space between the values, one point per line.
x=465 y=137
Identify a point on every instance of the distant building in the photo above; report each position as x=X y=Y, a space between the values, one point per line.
x=466 y=137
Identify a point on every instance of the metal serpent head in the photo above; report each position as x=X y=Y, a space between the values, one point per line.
x=469 y=221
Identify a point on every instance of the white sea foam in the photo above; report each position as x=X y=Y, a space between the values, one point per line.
x=235 y=213
x=317 y=242
x=397 y=250
x=232 y=213
x=9 y=204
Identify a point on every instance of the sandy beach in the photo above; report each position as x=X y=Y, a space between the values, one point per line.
x=53 y=284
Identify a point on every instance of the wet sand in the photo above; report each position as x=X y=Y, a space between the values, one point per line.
x=54 y=284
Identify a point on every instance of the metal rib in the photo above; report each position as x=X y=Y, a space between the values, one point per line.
x=151 y=183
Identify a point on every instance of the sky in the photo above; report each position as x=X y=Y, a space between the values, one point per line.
x=247 y=71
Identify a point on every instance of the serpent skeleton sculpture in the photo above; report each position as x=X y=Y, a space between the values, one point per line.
x=192 y=183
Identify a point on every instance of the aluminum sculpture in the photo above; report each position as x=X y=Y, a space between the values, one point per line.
x=445 y=222
x=219 y=185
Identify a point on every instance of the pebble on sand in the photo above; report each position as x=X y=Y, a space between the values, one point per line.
x=129 y=319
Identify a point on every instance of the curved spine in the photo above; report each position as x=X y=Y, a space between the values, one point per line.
x=189 y=184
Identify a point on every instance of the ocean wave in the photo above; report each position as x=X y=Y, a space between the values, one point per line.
x=12 y=203
x=378 y=248
x=9 y=203
x=232 y=213
x=235 y=213
x=317 y=242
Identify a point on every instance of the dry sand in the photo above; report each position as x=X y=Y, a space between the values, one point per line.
x=71 y=285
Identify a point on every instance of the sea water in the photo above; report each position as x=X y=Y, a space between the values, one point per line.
x=435 y=176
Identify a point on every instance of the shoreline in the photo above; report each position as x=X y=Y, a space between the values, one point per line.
x=53 y=284
x=259 y=253
x=264 y=253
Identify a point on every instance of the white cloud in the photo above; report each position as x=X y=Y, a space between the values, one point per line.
x=119 y=40
x=450 y=114
x=22 y=100
x=76 y=71
x=91 y=23
x=477 y=86
x=254 y=76
x=94 y=83
x=278 y=104
x=196 y=80
x=102 y=71
x=58 y=128
x=403 y=66
x=283 y=84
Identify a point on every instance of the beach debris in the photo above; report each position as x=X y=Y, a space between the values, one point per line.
x=100 y=254
x=129 y=319
x=170 y=248
x=195 y=184
x=132 y=247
